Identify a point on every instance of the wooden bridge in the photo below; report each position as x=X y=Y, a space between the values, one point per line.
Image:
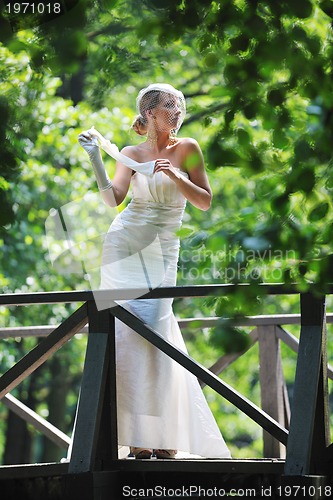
x=298 y=454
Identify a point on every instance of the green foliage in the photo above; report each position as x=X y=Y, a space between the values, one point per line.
x=258 y=81
x=230 y=339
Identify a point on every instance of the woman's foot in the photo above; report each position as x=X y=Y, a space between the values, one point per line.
x=140 y=453
x=165 y=454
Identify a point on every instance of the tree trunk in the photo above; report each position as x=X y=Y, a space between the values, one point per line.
x=56 y=402
x=18 y=446
x=73 y=86
x=18 y=441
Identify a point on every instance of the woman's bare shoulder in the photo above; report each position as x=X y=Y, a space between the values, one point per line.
x=190 y=155
x=132 y=151
x=188 y=143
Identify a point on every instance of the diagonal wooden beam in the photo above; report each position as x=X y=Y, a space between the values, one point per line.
x=293 y=342
x=37 y=356
x=209 y=378
x=49 y=430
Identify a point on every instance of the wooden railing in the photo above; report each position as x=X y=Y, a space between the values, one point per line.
x=95 y=437
x=268 y=332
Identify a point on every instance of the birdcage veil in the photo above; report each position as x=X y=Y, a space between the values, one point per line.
x=161 y=107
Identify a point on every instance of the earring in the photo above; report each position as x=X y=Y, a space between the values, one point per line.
x=172 y=137
x=151 y=137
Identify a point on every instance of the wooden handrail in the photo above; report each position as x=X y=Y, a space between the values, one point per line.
x=213 y=321
x=18 y=299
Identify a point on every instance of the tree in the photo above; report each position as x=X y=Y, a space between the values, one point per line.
x=264 y=124
x=264 y=116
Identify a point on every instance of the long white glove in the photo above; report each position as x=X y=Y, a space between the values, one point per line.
x=90 y=144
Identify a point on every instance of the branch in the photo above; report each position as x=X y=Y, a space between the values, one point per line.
x=114 y=29
x=205 y=112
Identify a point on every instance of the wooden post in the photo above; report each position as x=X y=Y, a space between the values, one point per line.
x=321 y=432
x=95 y=433
x=308 y=437
x=272 y=386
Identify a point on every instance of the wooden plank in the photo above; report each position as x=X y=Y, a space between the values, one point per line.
x=223 y=362
x=43 y=351
x=31 y=331
x=28 y=471
x=220 y=466
x=228 y=466
x=192 y=323
x=50 y=431
x=86 y=449
x=269 y=319
x=58 y=297
x=289 y=339
x=271 y=385
x=203 y=374
x=303 y=409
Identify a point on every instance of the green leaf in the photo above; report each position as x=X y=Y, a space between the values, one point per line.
x=319 y=212
x=185 y=232
x=243 y=137
x=211 y=60
x=302 y=150
x=280 y=139
x=276 y=97
x=327 y=7
x=229 y=339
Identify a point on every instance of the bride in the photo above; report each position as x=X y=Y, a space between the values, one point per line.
x=161 y=407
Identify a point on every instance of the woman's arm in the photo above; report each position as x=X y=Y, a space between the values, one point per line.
x=113 y=192
x=116 y=194
x=196 y=189
x=120 y=183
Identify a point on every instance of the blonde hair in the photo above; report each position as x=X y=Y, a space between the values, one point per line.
x=150 y=98
x=140 y=125
x=148 y=101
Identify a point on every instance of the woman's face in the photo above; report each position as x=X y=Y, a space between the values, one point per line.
x=167 y=113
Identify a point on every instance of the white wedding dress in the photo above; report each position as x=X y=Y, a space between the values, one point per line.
x=160 y=404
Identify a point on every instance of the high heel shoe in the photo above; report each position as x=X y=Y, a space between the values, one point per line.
x=140 y=453
x=165 y=454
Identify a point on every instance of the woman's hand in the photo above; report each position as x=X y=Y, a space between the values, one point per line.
x=165 y=166
x=88 y=142
x=195 y=187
